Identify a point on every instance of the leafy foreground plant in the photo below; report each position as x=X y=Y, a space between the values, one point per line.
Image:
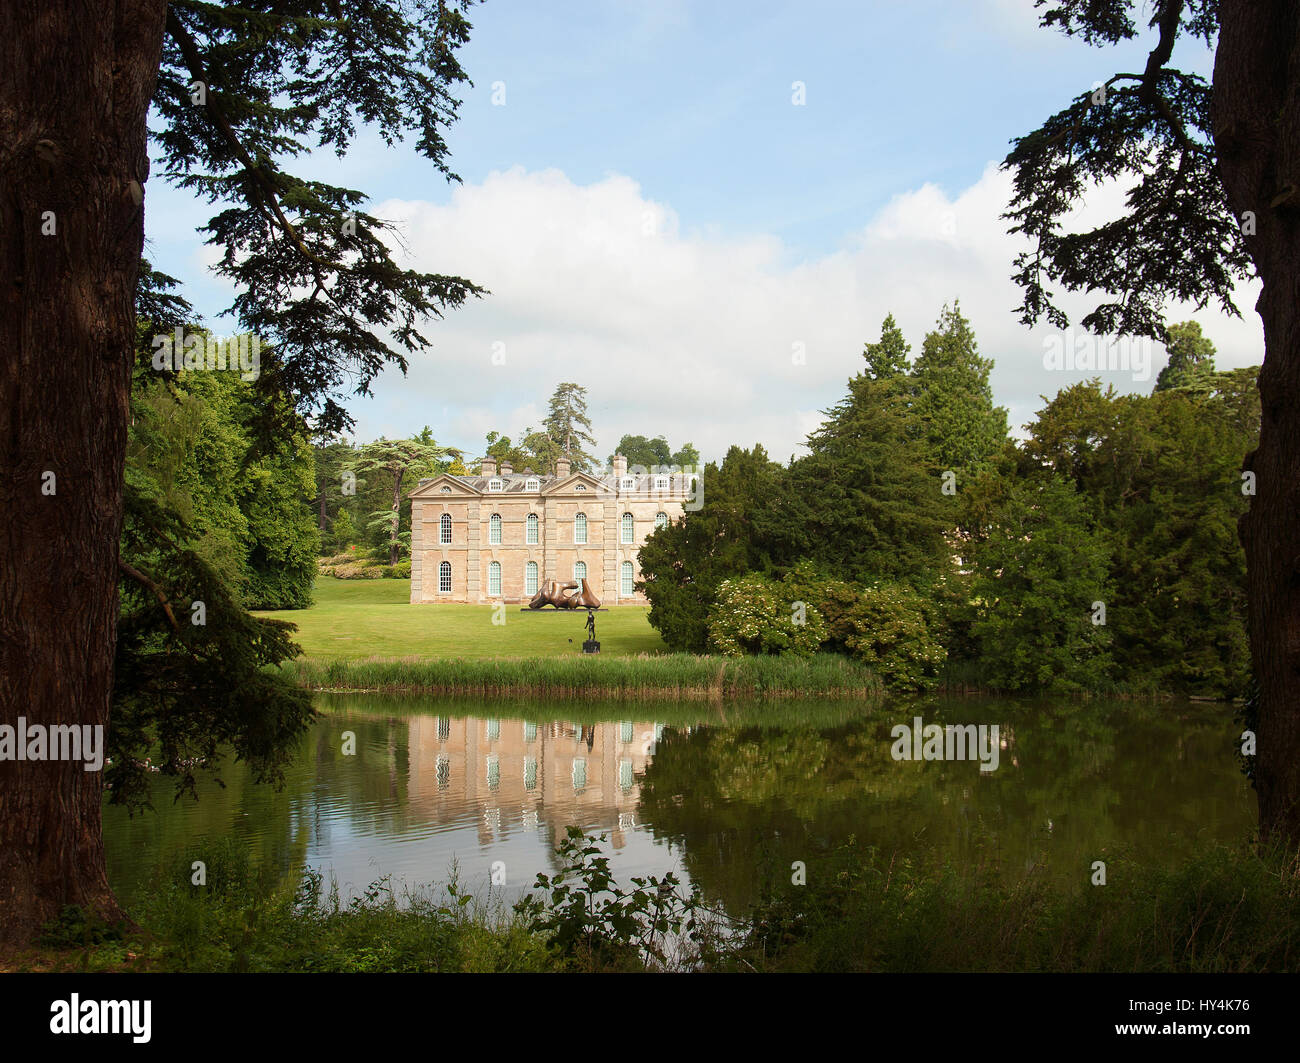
x=593 y=924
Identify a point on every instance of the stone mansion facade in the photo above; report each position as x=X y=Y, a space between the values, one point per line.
x=499 y=536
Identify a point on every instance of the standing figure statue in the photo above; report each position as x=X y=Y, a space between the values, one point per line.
x=591 y=645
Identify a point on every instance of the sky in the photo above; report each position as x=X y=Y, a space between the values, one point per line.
x=701 y=212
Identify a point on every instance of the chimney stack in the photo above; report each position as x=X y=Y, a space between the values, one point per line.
x=620 y=466
x=488 y=467
x=506 y=468
x=561 y=467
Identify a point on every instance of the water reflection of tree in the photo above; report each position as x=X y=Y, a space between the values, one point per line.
x=740 y=801
x=1076 y=780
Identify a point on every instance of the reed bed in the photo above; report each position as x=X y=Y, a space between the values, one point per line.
x=632 y=677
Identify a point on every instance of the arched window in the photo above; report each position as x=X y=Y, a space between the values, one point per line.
x=532 y=529
x=579 y=487
x=444 y=578
x=580 y=528
x=444 y=527
x=661 y=520
x=628 y=578
x=580 y=570
x=494 y=529
x=530 y=578
x=627 y=528
x=494 y=579
x=445 y=490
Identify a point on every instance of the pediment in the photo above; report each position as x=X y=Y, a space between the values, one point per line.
x=434 y=488
x=576 y=483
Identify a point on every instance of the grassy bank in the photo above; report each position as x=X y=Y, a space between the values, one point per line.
x=354 y=619
x=673 y=676
x=1226 y=910
x=364 y=635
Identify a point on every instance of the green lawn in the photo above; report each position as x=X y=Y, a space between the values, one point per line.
x=374 y=618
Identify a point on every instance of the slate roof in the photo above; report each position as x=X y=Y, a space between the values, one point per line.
x=515 y=482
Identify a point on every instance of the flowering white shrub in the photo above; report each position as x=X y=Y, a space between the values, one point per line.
x=888 y=631
x=753 y=614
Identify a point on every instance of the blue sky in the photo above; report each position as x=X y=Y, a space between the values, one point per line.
x=659 y=221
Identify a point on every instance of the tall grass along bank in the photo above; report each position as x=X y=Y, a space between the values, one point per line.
x=678 y=675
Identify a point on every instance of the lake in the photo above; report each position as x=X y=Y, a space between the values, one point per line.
x=722 y=794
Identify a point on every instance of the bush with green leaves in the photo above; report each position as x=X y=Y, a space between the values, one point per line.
x=592 y=923
x=834 y=600
x=891 y=628
x=756 y=615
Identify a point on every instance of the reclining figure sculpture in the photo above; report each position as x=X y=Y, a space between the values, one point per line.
x=554 y=593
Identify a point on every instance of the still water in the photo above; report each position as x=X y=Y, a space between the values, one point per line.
x=720 y=794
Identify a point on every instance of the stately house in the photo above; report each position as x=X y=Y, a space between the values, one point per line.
x=498 y=536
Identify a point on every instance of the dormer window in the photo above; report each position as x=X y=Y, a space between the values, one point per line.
x=661 y=483
x=626 y=483
x=532 y=484
x=496 y=484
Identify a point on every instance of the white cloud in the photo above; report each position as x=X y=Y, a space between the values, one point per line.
x=696 y=335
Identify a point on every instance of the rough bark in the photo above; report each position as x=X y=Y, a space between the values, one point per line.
x=75 y=84
x=1256 y=120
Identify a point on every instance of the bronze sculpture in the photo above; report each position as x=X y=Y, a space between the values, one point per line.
x=554 y=593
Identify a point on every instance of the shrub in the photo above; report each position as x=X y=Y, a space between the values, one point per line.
x=834 y=599
x=354 y=570
x=888 y=629
x=753 y=614
x=594 y=924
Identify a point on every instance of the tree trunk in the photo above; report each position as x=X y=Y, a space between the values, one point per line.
x=1256 y=116
x=75 y=84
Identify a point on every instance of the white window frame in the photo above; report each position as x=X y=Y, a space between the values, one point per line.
x=661 y=520
x=627 y=483
x=496 y=484
x=531 y=578
x=494 y=572
x=532 y=529
x=532 y=484
x=627 y=529
x=627 y=579
x=661 y=483
x=444 y=577
x=494 y=529
x=580 y=521
x=580 y=570
x=444 y=529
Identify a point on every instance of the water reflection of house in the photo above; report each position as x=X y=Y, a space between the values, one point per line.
x=519 y=773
